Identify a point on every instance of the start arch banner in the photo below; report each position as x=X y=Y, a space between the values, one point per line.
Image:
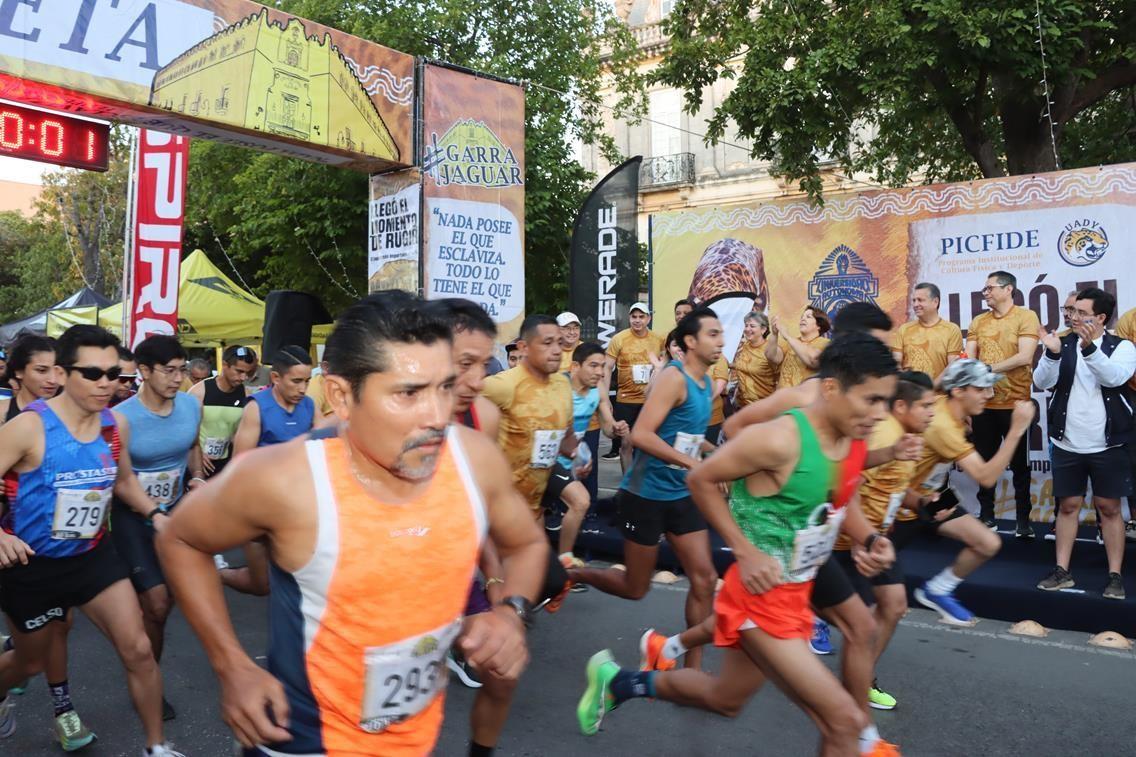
x=229 y=70
x=1055 y=232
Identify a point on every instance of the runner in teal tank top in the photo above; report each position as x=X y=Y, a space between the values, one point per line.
x=790 y=485
x=669 y=440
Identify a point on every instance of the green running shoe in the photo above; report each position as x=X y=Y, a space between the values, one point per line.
x=597 y=701
x=879 y=699
x=73 y=735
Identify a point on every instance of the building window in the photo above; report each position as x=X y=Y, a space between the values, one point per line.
x=665 y=112
x=666 y=7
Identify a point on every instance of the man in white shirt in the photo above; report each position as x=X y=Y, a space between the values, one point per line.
x=1090 y=422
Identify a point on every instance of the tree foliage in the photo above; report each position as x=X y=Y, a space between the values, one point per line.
x=943 y=89
x=283 y=221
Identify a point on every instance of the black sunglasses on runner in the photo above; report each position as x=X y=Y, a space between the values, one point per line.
x=91 y=373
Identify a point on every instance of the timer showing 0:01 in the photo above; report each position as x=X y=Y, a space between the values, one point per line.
x=53 y=138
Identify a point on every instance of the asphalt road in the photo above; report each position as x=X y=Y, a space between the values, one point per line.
x=978 y=691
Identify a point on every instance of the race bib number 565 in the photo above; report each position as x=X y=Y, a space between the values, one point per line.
x=404 y=677
x=546 y=445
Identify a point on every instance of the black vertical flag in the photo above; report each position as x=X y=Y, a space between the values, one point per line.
x=604 y=279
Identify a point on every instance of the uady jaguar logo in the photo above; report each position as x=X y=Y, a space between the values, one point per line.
x=842 y=278
x=1082 y=242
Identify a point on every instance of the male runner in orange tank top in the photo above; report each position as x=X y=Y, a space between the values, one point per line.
x=373 y=536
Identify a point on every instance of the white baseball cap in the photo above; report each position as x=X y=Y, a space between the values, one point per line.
x=567 y=317
x=640 y=306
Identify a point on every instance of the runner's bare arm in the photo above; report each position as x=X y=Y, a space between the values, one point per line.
x=519 y=542
x=248 y=431
x=668 y=393
x=773 y=352
x=196 y=464
x=207 y=522
x=766 y=447
x=126 y=485
x=494 y=641
x=19 y=439
x=908 y=447
x=765 y=410
x=488 y=417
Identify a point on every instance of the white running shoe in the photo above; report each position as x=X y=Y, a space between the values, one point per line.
x=7 y=718
x=161 y=750
x=220 y=562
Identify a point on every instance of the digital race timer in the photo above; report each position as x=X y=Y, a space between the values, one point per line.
x=53 y=137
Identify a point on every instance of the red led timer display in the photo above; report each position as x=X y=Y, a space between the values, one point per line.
x=53 y=138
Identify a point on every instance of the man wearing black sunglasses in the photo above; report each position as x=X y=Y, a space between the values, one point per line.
x=127 y=385
x=62 y=460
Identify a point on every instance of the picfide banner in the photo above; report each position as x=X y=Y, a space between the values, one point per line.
x=1056 y=232
x=161 y=165
x=604 y=278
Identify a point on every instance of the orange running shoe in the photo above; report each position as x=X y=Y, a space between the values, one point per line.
x=651 y=652
x=883 y=749
x=554 y=604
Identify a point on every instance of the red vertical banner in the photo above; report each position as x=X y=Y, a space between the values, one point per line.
x=159 y=209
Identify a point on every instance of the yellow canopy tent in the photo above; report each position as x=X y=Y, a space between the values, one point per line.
x=212 y=310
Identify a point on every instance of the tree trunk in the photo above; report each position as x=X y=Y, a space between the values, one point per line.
x=1026 y=132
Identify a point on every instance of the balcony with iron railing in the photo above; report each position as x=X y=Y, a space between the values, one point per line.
x=666 y=172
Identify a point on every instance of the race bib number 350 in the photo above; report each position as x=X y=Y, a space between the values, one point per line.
x=79 y=513
x=216 y=448
x=403 y=678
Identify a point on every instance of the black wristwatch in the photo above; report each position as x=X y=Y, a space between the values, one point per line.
x=522 y=607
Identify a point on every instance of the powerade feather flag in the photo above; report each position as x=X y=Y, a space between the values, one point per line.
x=604 y=278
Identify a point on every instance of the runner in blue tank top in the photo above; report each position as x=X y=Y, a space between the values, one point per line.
x=272 y=416
x=165 y=424
x=585 y=374
x=61 y=461
x=669 y=439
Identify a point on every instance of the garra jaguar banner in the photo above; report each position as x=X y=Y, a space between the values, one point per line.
x=473 y=174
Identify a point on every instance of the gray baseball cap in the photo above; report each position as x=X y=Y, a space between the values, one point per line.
x=969 y=372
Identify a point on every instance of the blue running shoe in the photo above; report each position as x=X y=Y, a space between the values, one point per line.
x=820 y=643
x=949 y=608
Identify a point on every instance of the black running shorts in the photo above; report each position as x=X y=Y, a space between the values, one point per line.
x=831 y=585
x=906 y=531
x=863 y=584
x=42 y=591
x=134 y=542
x=557 y=482
x=644 y=521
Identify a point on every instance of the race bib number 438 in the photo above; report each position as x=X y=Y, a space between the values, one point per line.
x=79 y=513
x=403 y=678
x=161 y=486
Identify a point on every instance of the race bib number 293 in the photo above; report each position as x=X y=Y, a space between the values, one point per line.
x=404 y=677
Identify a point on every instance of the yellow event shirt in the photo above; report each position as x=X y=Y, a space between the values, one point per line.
x=315 y=391
x=884 y=483
x=534 y=414
x=793 y=371
x=997 y=340
x=720 y=371
x=927 y=348
x=632 y=355
x=1126 y=329
x=944 y=444
x=566 y=358
x=757 y=377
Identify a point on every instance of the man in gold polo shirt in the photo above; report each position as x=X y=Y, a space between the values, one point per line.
x=629 y=353
x=929 y=343
x=1005 y=338
x=569 y=338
